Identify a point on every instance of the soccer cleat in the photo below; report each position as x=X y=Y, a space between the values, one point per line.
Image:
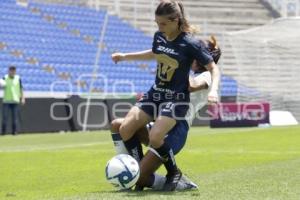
x=186 y=184
x=172 y=180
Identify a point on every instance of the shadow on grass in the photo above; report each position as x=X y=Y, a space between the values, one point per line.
x=149 y=192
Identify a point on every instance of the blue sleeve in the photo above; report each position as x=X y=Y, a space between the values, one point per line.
x=200 y=53
x=154 y=43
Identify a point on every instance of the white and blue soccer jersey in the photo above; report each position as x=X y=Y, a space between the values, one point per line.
x=198 y=99
x=174 y=59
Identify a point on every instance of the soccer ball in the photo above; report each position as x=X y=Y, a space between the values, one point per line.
x=122 y=171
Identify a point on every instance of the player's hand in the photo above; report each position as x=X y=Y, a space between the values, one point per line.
x=117 y=57
x=213 y=97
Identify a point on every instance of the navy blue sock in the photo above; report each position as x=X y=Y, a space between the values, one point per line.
x=134 y=147
x=166 y=153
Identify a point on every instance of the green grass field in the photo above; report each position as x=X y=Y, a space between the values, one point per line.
x=233 y=164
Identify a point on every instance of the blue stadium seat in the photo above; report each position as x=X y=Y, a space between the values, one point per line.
x=65 y=52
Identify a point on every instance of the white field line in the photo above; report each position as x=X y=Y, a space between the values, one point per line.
x=226 y=131
x=242 y=152
x=50 y=148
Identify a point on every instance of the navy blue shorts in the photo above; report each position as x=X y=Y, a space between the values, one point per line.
x=177 y=136
x=156 y=104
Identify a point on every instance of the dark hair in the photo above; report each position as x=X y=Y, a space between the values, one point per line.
x=212 y=47
x=174 y=9
x=12 y=68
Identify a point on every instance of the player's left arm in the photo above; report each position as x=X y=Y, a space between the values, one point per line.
x=213 y=96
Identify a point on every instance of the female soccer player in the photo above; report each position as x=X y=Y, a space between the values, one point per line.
x=200 y=82
x=167 y=100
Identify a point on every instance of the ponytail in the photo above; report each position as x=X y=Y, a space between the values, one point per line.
x=174 y=9
x=184 y=24
x=213 y=48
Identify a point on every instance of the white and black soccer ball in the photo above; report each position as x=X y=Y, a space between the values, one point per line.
x=122 y=171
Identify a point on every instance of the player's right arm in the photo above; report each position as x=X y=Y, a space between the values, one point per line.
x=141 y=55
x=197 y=84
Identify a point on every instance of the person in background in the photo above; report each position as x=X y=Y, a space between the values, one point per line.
x=12 y=97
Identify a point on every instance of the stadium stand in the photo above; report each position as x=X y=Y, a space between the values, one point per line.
x=286 y=8
x=48 y=43
x=227 y=19
x=53 y=45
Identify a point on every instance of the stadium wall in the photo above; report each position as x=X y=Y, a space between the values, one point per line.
x=55 y=115
x=44 y=115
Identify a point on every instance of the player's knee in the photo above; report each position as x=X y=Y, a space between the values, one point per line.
x=115 y=126
x=126 y=131
x=155 y=141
